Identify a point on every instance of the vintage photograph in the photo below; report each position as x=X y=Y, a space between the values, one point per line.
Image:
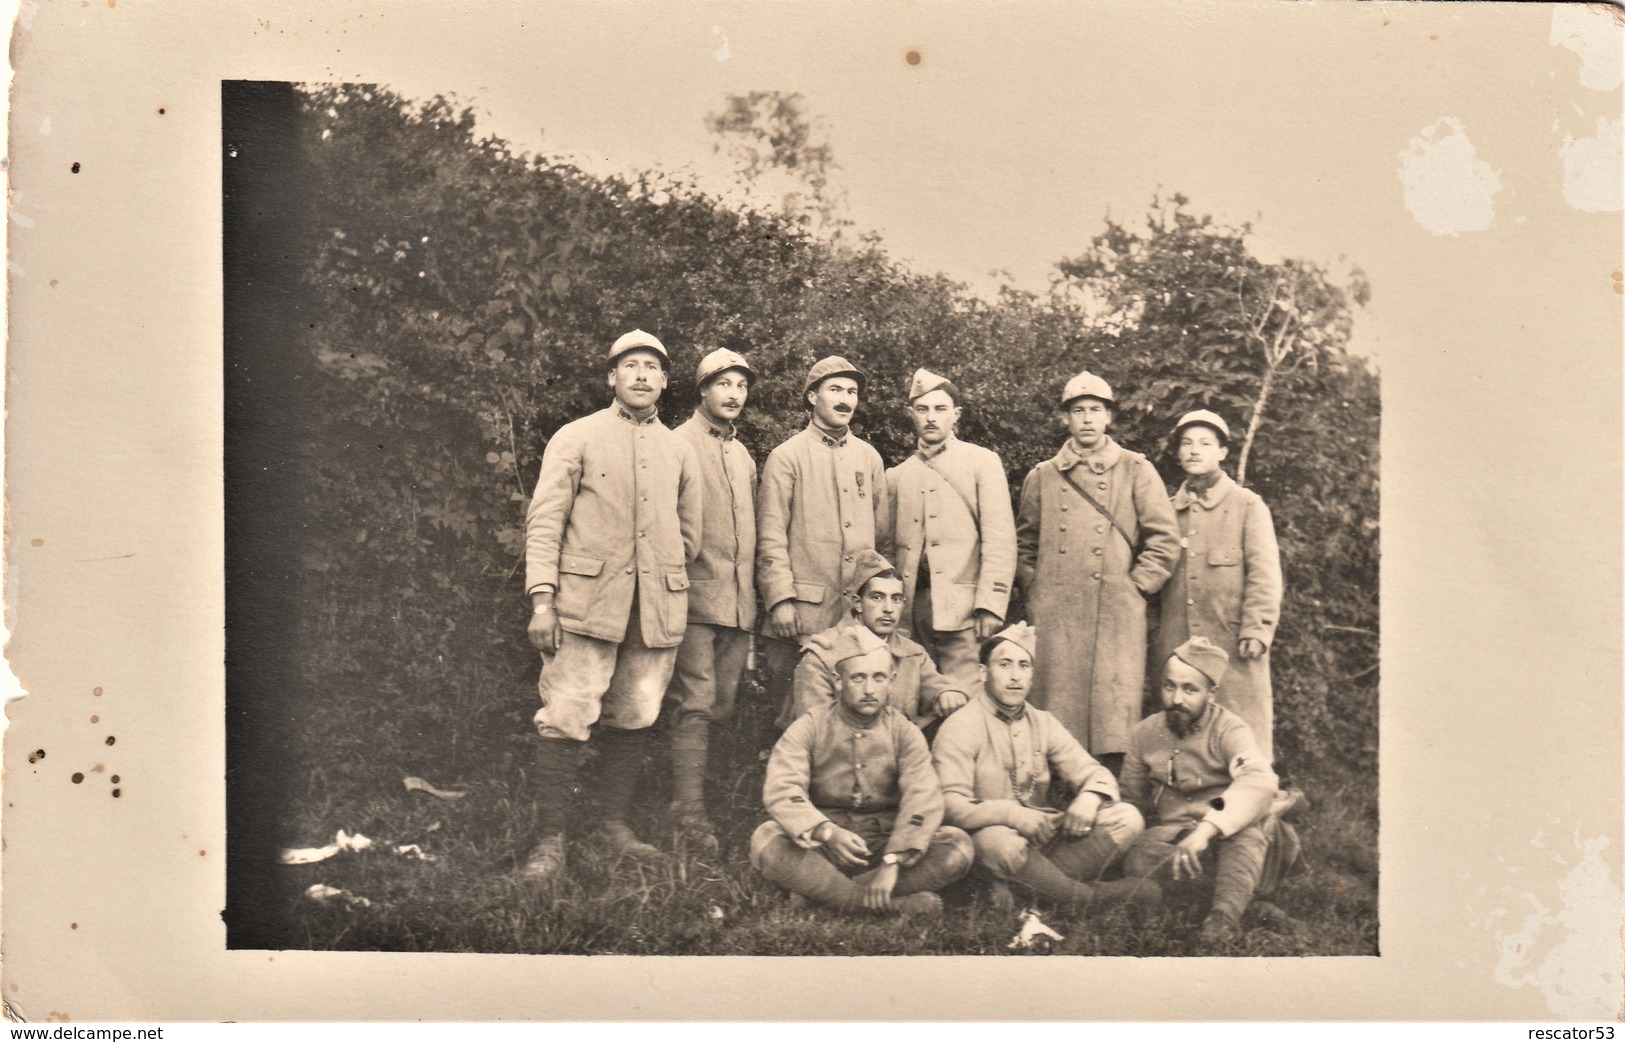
x=713 y=554
x=1122 y=498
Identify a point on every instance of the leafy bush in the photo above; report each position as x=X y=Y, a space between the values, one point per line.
x=461 y=296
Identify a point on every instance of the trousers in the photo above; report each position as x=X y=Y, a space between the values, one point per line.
x=1241 y=865
x=590 y=681
x=800 y=870
x=956 y=652
x=705 y=682
x=1001 y=850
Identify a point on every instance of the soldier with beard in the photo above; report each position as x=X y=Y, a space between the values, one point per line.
x=1197 y=774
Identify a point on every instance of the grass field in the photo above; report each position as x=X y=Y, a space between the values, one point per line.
x=467 y=899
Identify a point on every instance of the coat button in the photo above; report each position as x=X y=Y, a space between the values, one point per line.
x=1099 y=529
x=1102 y=486
x=628 y=569
x=1096 y=575
x=1063 y=549
x=1063 y=528
x=1063 y=508
x=1192 y=602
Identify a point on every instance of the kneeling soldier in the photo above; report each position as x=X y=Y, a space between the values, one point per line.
x=996 y=757
x=918 y=691
x=1197 y=771
x=857 y=812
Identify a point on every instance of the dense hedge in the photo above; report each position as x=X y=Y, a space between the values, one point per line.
x=459 y=298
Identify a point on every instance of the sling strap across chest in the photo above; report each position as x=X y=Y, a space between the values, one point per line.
x=1092 y=501
x=975 y=515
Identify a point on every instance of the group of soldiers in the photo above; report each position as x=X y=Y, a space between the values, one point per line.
x=877 y=599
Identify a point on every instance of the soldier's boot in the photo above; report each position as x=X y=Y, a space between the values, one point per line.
x=690 y=741
x=620 y=766
x=556 y=763
x=1040 y=875
x=922 y=903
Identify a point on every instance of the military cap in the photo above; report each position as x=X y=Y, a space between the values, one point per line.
x=718 y=362
x=1206 y=418
x=1203 y=655
x=1020 y=634
x=869 y=565
x=834 y=365
x=925 y=381
x=853 y=642
x=639 y=340
x=1086 y=385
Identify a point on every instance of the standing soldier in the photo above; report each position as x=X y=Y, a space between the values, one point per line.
x=613 y=525
x=954 y=540
x=721 y=586
x=1096 y=537
x=1227 y=585
x=822 y=503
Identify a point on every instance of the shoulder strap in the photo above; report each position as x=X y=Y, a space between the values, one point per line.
x=1092 y=501
x=975 y=515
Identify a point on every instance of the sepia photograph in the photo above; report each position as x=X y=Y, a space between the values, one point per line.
x=828 y=480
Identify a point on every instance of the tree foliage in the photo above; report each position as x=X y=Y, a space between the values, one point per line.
x=463 y=295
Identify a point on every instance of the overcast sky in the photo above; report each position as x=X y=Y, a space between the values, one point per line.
x=1022 y=126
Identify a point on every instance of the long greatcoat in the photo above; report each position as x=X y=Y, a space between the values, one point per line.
x=617 y=508
x=959 y=502
x=1087 y=588
x=1226 y=586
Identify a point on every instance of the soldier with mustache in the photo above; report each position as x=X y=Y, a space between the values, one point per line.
x=820 y=505
x=1197 y=774
x=953 y=536
x=997 y=759
x=918 y=690
x=612 y=528
x=856 y=808
x=722 y=587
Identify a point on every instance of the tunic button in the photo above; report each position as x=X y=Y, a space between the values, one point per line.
x=1190 y=602
x=1099 y=529
x=849 y=557
x=1102 y=486
x=1063 y=549
x=1097 y=551
x=1096 y=575
x=1063 y=528
x=1063 y=508
x=848 y=524
x=628 y=569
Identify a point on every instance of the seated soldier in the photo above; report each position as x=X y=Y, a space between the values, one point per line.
x=1195 y=770
x=995 y=758
x=857 y=812
x=918 y=690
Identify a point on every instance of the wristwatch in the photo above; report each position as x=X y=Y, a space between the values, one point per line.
x=892 y=858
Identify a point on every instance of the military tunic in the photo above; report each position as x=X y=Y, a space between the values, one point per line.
x=821 y=501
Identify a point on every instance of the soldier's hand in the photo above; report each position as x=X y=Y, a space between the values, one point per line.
x=544 y=630
x=1038 y=826
x=877 y=892
x=948 y=701
x=782 y=621
x=1188 y=853
x=1079 y=819
x=846 y=848
x=1250 y=647
x=986 y=623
